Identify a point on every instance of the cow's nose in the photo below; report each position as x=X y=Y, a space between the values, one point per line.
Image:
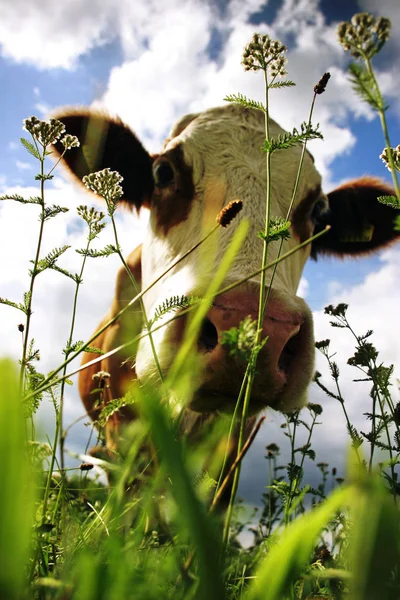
x=283 y=329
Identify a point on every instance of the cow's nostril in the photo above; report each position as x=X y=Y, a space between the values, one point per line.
x=288 y=354
x=208 y=338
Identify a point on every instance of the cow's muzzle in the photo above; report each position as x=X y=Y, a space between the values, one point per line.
x=284 y=365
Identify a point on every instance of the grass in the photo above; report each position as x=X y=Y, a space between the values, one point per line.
x=159 y=532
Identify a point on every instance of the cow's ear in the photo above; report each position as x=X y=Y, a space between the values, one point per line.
x=107 y=142
x=359 y=223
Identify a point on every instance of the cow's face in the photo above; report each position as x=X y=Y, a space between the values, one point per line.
x=208 y=160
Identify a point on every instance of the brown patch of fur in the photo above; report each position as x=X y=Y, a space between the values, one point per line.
x=118 y=365
x=171 y=204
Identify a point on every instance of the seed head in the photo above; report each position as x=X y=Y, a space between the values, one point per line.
x=86 y=466
x=21 y=327
x=364 y=35
x=229 y=212
x=322 y=83
x=264 y=54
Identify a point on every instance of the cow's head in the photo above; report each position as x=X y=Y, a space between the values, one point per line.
x=209 y=159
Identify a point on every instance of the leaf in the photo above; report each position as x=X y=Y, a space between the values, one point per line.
x=52 y=211
x=243 y=101
x=173 y=303
x=18 y=198
x=391 y=201
x=106 y=251
x=49 y=261
x=278 y=229
x=281 y=84
x=363 y=84
x=30 y=148
x=13 y=304
x=285 y=561
x=289 y=139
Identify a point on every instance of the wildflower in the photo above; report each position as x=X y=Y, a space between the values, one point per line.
x=105 y=183
x=229 y=212
x=265 y=54
x=322 y=83
x=45 y=132
x=364 y=35
x=101 y=377
x=70 y=141
x=395 y=152
x=336 y=311
x=315 y=408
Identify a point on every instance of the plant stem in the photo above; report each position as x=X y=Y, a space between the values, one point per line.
x=34 y=273
x=250 y=373
x=381 y=112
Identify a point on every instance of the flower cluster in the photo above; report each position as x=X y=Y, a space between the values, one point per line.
x=45 y=132
x=101 y=378
x=70 y=141
x=364 y=35
x=263 y=53
x=395 y=156
x=105 y=183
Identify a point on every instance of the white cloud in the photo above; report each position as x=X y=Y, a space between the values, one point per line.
x=23 y=166
x=303 y=288
x=47 y=34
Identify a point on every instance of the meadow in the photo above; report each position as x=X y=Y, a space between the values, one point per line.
x=166 y=526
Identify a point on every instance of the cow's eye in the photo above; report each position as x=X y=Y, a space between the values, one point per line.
x=320 y=211
x=163 y=174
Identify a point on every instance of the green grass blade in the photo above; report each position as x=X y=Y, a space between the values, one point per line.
x=16 y=497
x=285 y=561
x=196 y=525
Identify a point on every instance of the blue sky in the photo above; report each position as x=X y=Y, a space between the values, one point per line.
x=151 y=64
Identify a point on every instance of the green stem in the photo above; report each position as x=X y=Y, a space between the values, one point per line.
x=381 y=112
x=69 y=342
x=294 y=194
x=32 y=283
x=250 y=373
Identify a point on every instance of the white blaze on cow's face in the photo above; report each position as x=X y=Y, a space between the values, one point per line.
x=208 y=160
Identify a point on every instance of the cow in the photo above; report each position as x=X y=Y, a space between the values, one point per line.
x=209 y=159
